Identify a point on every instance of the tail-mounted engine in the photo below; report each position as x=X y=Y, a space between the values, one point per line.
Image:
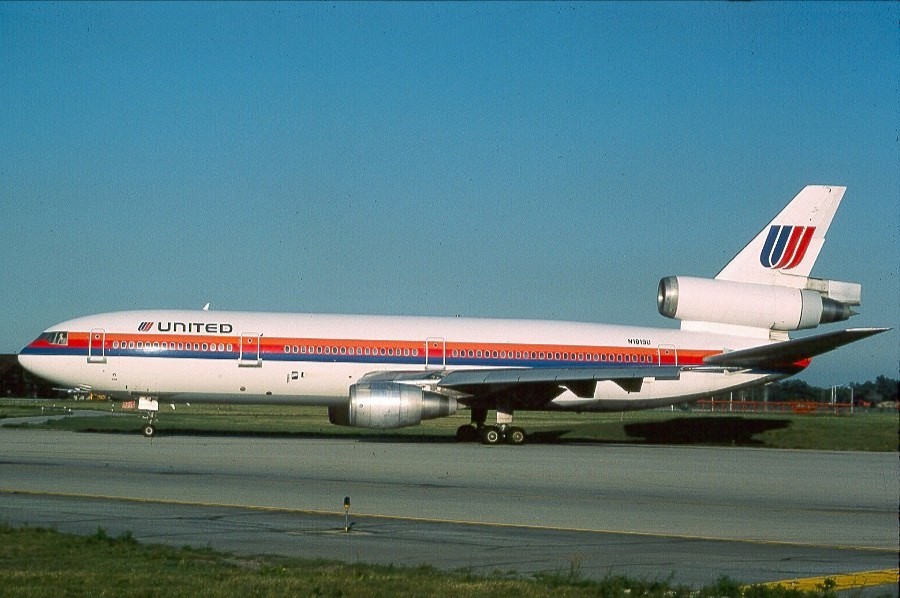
x=756 y=305
x=390 y=405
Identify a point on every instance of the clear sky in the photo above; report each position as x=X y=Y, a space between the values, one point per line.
x=503 y=160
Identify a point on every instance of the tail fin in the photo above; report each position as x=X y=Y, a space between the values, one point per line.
x=784 y=252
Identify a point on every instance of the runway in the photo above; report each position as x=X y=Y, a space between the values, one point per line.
x=689 y=514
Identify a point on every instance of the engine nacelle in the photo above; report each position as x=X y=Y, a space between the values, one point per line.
x=746 y=304
x=390 y=405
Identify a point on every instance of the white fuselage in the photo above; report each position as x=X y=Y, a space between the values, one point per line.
x=280 y=358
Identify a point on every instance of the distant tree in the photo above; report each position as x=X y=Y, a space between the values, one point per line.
x=794 y=390
x=881 y=389
x=16 y=382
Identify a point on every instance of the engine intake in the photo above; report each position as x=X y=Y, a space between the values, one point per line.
x=388 y=405
x=746 y=304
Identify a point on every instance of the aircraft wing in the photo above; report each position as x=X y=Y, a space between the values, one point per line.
x=786 y=354
x=527 y=386
x=581 y=381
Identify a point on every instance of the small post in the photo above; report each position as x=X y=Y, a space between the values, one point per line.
x=346 y=514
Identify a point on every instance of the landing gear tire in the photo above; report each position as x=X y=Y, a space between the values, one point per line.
x=515 y=436
x=467 y=433
x=148 y=430
x=491 y=435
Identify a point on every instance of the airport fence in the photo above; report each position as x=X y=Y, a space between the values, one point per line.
x=794 y=407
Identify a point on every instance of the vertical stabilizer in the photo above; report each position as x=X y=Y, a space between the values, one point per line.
x=784 y=252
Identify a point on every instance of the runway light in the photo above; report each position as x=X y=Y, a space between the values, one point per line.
x=346 y=514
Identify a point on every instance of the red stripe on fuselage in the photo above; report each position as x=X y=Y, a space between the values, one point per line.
x=387 y=348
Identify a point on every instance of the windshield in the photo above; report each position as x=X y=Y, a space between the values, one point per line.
x=55 y=337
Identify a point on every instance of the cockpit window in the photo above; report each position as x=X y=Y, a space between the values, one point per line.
x=55 y=337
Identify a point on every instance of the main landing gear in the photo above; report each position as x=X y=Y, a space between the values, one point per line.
x=504 y=431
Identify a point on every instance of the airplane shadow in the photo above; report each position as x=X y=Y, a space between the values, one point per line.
x=722 y=431
x=705 y=430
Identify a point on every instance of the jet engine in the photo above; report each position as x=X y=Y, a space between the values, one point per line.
x=390 y=405
x=748 y=304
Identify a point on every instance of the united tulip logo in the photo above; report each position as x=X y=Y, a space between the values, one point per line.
x=785 y=246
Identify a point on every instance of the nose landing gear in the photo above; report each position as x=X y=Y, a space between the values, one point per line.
x=150 y=407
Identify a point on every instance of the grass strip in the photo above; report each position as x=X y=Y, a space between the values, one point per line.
x=863 y=431
x=41 y=562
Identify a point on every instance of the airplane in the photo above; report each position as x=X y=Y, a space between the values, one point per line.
x=389 y=372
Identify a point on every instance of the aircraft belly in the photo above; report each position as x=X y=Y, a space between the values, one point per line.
x=691 y=386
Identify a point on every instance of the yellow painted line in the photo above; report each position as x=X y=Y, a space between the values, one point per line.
x=337 y=513
x=845 y=581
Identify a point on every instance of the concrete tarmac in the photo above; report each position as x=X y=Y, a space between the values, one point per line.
x=689 y=514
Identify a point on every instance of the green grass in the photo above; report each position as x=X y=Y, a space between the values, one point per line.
x=863 y=431
x=40 y=562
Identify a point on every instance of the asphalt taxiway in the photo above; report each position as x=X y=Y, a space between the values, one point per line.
x=686 y=514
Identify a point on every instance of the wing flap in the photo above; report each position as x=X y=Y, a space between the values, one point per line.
x=788 y=353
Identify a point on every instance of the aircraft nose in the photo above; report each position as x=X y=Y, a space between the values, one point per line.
x=28 y=362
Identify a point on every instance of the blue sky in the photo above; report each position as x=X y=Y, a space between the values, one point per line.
x=502 y=160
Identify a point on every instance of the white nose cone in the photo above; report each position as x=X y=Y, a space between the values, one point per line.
x=42 y=366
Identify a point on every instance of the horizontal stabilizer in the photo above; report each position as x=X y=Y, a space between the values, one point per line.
x=790 y=352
